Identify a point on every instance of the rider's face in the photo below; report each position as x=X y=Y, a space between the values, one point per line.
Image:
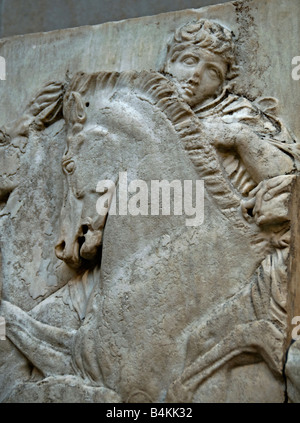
x=201 y=74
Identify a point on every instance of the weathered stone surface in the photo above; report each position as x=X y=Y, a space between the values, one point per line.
x=19 y=17
x=109 y=293
x=292 y=372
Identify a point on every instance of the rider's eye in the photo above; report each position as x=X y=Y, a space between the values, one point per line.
x=190 y=60
x=69 y=167
x=214 y=73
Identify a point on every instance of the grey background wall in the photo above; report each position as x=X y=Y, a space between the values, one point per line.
x=28 y=16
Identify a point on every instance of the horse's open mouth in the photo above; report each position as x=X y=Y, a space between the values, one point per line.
x=89 y=244
x=86 y=251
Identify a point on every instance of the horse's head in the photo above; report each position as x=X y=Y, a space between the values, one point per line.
x=105 y=112
x=81 y=226
x=92 y=154
x=42 y=110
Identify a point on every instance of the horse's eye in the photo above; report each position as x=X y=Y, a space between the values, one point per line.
x=69 y=167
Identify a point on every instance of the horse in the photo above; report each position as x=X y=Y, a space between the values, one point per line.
x=152 y=300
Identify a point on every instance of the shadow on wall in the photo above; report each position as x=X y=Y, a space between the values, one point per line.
x=23 y=17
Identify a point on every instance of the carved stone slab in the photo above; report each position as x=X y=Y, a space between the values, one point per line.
x=149 y=196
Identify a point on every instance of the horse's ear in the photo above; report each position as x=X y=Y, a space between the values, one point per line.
x=74 y=110
x=81 y=82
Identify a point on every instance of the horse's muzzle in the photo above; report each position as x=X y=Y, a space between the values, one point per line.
x=81 y=250
x=68 y=253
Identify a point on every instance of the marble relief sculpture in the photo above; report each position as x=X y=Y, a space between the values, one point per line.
x=155 y=310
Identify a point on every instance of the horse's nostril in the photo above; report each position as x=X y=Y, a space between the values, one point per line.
x=85 y=229
x=81 y=241
x=59 y=249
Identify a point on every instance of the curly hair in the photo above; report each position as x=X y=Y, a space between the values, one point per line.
x=207 y=35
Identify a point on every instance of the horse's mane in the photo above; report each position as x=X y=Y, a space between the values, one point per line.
x=150 y=84
x=162 y=94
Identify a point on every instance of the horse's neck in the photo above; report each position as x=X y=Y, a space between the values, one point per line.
x=82 y=288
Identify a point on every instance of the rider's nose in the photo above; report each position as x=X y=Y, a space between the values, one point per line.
x=197 y=75
x=60 y=249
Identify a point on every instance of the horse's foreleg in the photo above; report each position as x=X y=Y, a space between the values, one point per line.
x=47 y=347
